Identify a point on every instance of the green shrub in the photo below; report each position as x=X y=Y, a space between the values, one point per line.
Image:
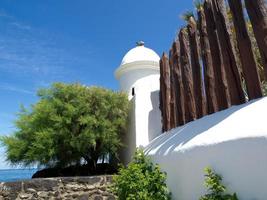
x=69 y=123
x=264 y=88
x=141 y=180
x=217 y=191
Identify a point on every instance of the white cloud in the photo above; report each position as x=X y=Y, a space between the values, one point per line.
x=15 y=89
x=5 y=15
x=20 y=26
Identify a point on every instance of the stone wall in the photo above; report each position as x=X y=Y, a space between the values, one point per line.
x=81 y=188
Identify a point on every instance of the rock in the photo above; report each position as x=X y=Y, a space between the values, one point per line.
x=83 y=197
x=111 y=197
x=25 y=196
x=98 y=197
x=12 y=189
x=81 y=188
x=31 y=190
x=41 y=184
x=42 y=194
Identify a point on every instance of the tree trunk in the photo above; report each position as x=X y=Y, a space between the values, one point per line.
x=227 y=50
x=209 y=80
x=187 y=77
x=178 y=85
x=200 y=100
x=257 y=12
x=164 y=63
x=221 y=85
x=248 y=62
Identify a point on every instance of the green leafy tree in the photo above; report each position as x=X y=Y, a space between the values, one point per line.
x=69 y=124
x=216 y=190
x=141 y=180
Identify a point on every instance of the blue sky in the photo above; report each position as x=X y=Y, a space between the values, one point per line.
x=74 y=41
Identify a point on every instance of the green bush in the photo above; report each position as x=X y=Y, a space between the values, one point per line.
x=70 y=123
x=264 y=88
x=217 y=191
x=141 y=180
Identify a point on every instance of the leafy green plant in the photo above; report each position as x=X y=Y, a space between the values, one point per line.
x=187 y=15
x=70 y=124
x=198 y=4
x=216 y=190
x=140 y=180
x=264 y=88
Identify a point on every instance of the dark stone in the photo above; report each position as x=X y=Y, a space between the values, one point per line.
x=89 y=180
x=49 y=188
x=111 y=197
x=13 y=188
x=76 y=171
x=108 y=179
x=83 y=197
x=98 y=197
x=41 y=184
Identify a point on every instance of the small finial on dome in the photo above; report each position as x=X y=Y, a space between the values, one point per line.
x=140 y=43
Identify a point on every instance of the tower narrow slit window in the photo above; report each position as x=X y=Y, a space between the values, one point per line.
x=133 y=91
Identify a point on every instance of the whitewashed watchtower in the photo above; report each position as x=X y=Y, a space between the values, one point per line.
x=139 y=75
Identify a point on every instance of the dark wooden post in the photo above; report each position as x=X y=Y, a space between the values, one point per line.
x=187 y=77
x=162 y=97
x=227 y=50
x=221 y=85
x=164 y=64
x=178 y=85
x=257 y=12
x=173 y=104
x=248 y=62
x=209 y=80
x=200 y=99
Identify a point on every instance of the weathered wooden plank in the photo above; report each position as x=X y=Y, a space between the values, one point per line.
x=228 y=53
x=162 y=97
x=178 y=85
x=257 y=11
x=190 y=108
x=173 y=100
x=209 y=80
x=200 y=99
x=248 y=62
x=221 y=84
x=164 y=63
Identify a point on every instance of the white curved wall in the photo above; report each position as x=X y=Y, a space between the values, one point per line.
x=148 y=80
x=232 y=142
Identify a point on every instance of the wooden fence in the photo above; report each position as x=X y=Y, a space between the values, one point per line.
x=211 y=65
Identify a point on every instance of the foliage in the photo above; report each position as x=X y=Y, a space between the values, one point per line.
x=216 y=189
x=141 y=180
x=198 y=4
x=264 y=88
x=187 y=15
x=69 y=124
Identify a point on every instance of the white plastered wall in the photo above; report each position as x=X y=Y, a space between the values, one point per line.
x=145 y=117
x=232 y=142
